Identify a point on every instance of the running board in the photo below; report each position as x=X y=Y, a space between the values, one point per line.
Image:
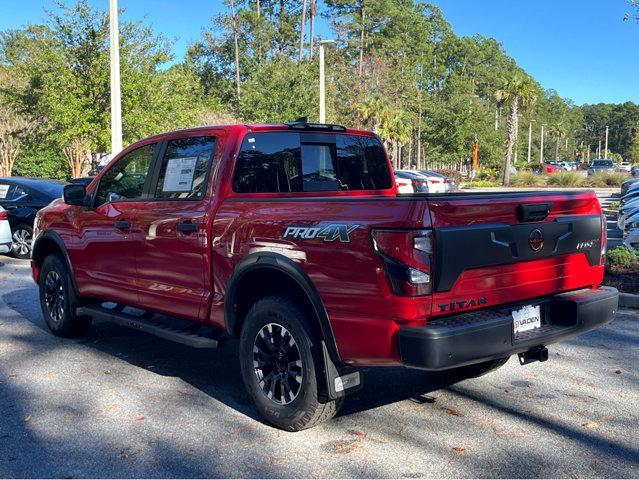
x=190 y=335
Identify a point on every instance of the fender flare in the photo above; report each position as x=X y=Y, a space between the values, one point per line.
x=281 y=264
x=53 y=236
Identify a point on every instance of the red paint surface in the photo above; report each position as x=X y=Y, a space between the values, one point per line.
x=154 y=266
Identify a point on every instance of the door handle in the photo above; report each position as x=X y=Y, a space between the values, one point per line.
x=187 y=228
x=122 y=224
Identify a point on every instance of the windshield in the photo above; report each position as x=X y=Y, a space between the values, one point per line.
x=602 y=163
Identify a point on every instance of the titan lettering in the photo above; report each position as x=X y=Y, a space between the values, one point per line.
x=462 y=304
x=329 y=233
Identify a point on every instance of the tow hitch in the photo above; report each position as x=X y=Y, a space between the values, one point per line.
x=537 y=354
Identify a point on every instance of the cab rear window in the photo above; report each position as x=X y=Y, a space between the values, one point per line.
x=275 y=162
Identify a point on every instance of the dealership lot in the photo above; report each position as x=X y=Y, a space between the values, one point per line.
x=119 y=403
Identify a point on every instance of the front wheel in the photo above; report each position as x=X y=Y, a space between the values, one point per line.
x=58 y=301
x=280 y=362
x=21 y=236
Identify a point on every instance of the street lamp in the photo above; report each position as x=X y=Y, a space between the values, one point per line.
x=529 y=139
x=322 y=87
x=541 y=155
x=116 y=102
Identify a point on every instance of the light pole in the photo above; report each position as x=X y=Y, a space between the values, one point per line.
x=606 y=154
x=116 y=101
x=529 y=139
x=541 y=154
x=322 y=86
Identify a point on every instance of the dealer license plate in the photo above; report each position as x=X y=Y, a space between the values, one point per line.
x=526 y=318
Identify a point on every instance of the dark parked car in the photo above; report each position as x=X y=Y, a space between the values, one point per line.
x=82 y=181
x=22 y=198
x=601 y=165
x=634 y=171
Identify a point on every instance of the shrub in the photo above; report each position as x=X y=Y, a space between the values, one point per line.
x=487 y=173
x=449 y=172
x=605 y=179
x=622 y=257
x=527 y=179
x=565 y=179
x=484 y=183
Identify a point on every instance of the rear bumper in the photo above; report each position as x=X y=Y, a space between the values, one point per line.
x=488 y=334
x=5 y=247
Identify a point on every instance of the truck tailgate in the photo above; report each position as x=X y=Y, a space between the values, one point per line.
x=498 y=248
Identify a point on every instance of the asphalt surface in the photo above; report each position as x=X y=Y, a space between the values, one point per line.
x=614 y=235
x=120 y=403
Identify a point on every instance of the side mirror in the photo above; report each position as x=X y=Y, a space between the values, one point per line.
x=74 y=194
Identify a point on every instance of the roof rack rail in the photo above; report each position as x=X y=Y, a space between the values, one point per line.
x=303 y=124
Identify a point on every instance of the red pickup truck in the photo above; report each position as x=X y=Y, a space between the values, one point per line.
x=293 y=238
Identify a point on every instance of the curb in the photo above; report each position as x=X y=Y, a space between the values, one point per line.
x=628 y=300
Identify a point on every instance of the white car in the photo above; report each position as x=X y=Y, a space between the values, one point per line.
x=566 y=166
x=631 y=221
x=404 y=185
x=631 y=240
x=436 y=181
x=625 y=166
x=5 y=232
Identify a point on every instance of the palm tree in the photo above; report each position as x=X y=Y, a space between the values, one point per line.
x=521 y=93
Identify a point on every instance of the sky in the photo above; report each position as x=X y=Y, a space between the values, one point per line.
x=581 y=48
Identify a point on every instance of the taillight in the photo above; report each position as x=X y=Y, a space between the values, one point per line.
x=418 y=183
x=402 y=184
x=3 y=215
x=604 y=238
x=408 y=258
x=448 y=180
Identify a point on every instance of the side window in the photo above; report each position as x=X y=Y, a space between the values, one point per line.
x=19 y=193
x=268 y=162
x=125 y=180
x=185 y=168
x=6 y=191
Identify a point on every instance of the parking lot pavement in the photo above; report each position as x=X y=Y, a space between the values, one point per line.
x=120 y=403
x=614 y=235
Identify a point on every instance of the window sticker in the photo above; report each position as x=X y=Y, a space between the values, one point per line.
x=4 y=190
x=179 y=174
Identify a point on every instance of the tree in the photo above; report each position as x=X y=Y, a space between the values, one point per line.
x=14 y=125
x=302 y=29
x=64 y=67
x=634 y=146
x=520 y=93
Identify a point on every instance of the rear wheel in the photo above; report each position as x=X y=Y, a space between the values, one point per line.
x=22 y=236
x=475 y=370
x=280 y=361
x=58 y=301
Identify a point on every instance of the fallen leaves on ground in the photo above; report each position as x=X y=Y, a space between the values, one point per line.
x=592 y=424
x=343 y=446
x=357 y=433
x=452 y=411
x=459 y=449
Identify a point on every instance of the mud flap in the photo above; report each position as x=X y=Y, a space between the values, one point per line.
x=340 y=381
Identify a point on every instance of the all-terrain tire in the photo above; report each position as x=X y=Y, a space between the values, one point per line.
x=304 y=410
x=58 y=300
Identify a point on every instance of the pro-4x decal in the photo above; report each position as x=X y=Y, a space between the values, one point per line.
x=328 y=233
